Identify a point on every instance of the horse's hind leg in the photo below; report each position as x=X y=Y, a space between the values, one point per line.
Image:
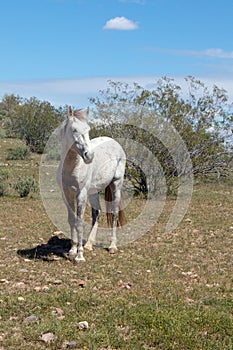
x=96 y=211
x=115 y=188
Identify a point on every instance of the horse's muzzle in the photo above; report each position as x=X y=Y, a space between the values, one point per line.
x=88 y=157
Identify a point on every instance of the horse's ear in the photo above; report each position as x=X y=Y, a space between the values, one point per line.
x=85 y=114
x=69 y=112
x=81 y=114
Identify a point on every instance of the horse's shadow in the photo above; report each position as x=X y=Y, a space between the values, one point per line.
x=55 y=247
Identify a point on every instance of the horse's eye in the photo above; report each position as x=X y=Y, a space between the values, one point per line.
x=75 y=130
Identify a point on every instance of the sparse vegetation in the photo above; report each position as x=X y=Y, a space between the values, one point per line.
x=3 y=181
x=25 y=185
x=3 y=187
x=164 y=291
x=30 y=119
x=18 y=153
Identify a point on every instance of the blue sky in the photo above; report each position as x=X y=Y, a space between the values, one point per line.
x=64 y=51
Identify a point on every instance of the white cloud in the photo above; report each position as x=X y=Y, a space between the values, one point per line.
x=214 y=52
x=77 y=92
x=120 y=23
x=219 y=53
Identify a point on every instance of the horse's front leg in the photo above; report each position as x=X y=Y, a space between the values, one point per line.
x=69 y=199
x=81 y=205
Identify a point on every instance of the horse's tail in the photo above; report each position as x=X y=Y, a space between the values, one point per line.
x=121 y=215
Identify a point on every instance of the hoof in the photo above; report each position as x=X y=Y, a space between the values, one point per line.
x=112 y=250
x=79 y=261
x=88 y=247
x=72 y=256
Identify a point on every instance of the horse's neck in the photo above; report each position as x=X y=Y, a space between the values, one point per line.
x=70 y=159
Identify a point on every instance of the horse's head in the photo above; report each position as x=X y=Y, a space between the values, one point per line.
x=77 y=133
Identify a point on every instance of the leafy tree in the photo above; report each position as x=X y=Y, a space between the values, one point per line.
x=201 y=118
x=8 y=107
x=33 y=121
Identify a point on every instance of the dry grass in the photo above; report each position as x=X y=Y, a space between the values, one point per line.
x=164 y=291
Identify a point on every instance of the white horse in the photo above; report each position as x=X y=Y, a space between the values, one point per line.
x=86 y=168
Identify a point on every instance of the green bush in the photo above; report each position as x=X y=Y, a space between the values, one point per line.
x=1 y=134
x=25 y=185
x=18 y=153
x=4 y=174
x=34 y=121
x=3 y=182
x=3 y=187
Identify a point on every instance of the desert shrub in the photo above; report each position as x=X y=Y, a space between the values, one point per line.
x=18 y=153
x=4 y=174
x=3 y=187
x=34 y=121
x=25 y=185
x=3 y=182
x=1 y=134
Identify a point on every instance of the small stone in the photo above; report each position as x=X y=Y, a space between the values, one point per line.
x=31 y=318
x=3 y=280
x=45 y=288
x=48 y=337
x=82 y=284
x=57 y=311
x=56 y=233
x=20 y=285
x=83 y=325
x=57 y=282
x=188 y=220
x=21 y=299
x=71 y=344
x=128 y=286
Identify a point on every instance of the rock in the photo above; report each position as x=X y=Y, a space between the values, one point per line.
x=3 y=280
x=21 y=299
x=188 y=220
x=20 y=285
x=48 y=337
x=59 y=313
x=71 y=344
x=23 y=270
x=83 y=325
x=57 y=282
x=81 y=284
x=45 y=288
x=31 y=318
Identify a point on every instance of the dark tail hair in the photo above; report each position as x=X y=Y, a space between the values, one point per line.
x=121 y=216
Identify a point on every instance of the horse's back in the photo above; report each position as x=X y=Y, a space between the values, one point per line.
x=107 y=147
x=108 y=163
